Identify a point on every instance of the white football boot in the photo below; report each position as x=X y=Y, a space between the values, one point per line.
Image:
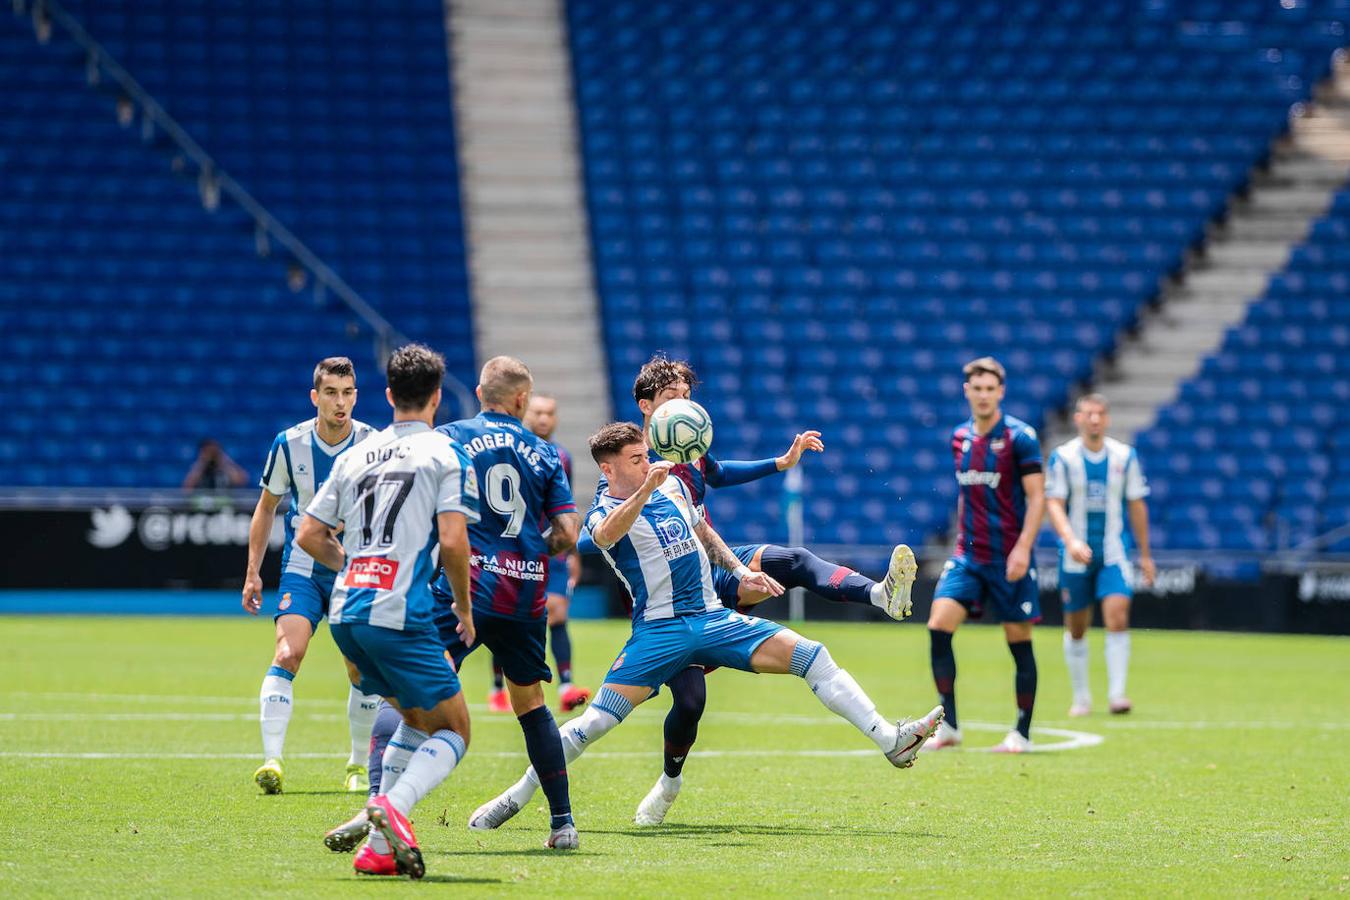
x=653 y=808
x=911 y=737
x=1082 y=706
x=899 y=583
x=1013 y=742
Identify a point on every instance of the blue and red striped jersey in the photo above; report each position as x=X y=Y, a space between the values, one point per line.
x=991 y=505
x=522 y=485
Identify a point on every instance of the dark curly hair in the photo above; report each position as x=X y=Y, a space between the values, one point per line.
x=660 y=372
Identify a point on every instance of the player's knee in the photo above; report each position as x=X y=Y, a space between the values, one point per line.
x=689 y=701
x=289 y=656
x=811 y=660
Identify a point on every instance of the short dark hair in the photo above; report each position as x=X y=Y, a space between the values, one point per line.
x=340 y=366
x=985 y=365
x=608 y=441
x=414 y=372
x=659 y=373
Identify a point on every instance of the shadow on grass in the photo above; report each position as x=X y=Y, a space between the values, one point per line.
x=533 y=851
x=433 y=877
x=336 y=792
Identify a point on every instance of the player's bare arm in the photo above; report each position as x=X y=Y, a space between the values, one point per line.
x=1138 y=513
x=618 y=522
x=720 y=555
x=566 y=528
x=259 y=530
x=452 y=531
x=320 y=541
x=807 y=440
x=1078 y=550
x=1019 y=560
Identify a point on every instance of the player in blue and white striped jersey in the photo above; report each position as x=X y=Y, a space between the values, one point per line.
x=298 y=463
x=1095 y=484
x=658 y=542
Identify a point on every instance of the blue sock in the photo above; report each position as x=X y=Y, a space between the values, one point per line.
x=1024 y=682
x=689 y=694
x=943 y=661
x=562 y=651
x=387 y=721
x=797 y=567
x=544 y=747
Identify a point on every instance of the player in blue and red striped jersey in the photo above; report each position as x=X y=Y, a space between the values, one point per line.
x=998 y=514
x=527 y=517
x=564 y=569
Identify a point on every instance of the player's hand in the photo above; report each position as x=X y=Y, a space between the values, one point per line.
x=1019 y=561
x=1080 y=552
x=758 y=581
x=807 y=440
x=657 y=474
x=252 y=599
x=1148 y=570
x=465 y=629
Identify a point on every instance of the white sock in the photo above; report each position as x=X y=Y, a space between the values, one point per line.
x=430 y=765
x=577 y=734
x=361 y=712
x=879 y=594
x=275 y=700
x=397 y=754
x=670 y=786
x=1076 y=658
x=844 y=697
x=1117 y=663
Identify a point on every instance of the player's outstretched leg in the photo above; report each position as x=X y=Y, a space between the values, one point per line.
x=844 y=697
x=795 y=567
x=433 y=759
x=607 y=710
x=361 y=712
x=689 y=694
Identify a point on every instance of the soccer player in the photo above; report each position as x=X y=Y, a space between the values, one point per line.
x=1094 y=485
x=527 y=516
x=659 y=381
x=299 y=461
x=998 y=514
x=407 y=492
x=564 y=569
x=658 y=542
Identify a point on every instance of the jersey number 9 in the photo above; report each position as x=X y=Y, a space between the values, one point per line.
x=503 y=496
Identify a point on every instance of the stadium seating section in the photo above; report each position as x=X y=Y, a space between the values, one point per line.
x=137 y=322
x=828 y=206
x=1250 y=456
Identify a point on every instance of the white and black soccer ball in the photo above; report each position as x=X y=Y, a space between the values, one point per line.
x=680 y=431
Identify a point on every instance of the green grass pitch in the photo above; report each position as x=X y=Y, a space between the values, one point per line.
x=1231 y=777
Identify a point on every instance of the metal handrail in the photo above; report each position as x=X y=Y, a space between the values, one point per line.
x=213 y=182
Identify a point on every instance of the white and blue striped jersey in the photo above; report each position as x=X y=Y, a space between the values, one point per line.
x=386 y=495
x=1096 y=488
x=298 y=464
x=660 y=560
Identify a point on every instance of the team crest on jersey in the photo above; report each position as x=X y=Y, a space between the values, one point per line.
x=618 y=662
x=997 y=445
x=301 y=469
x=965 y=446
x=285 y=601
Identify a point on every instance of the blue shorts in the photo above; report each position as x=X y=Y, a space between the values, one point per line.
x=1080 y=590
x=409 y=666
x=976 y=586
x=659 y=650
x=518 y=647
x=558 y=577
x=728 y=585
x=305 y=595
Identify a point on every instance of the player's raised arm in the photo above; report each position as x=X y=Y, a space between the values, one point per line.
x=612 y=527
x=565 y=529
x=726 y=473
x=259 y=530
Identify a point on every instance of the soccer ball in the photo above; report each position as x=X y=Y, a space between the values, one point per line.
x=680 y=431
